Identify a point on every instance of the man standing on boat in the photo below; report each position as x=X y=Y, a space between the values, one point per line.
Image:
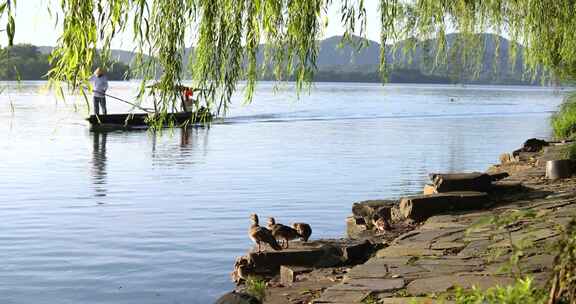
x=100 y=84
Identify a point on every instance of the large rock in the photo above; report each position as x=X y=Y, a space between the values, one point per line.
x=324 y=256
x=367 y=209
x=357 y=253
x=237 y=298
x=355 y=227
x=421 y=207
x=318 y=254
x=476 y=181
x=498 y=176
x=506 y=158
x=532 y=145
x=370 y=207
x=557 y=169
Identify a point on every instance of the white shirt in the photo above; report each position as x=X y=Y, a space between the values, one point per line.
x=100 y=85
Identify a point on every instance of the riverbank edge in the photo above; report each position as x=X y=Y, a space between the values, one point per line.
x=426 y=260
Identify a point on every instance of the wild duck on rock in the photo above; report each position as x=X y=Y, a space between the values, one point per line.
x=261 y=235
x=304 y=230
x=282 y=232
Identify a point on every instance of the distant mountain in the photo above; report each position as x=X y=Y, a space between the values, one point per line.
x=333 y=55
x=420 y=61
x=346 y=63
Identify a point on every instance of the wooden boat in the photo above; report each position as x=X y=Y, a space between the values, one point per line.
x=140 y=120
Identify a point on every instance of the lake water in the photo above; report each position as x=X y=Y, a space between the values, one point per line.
x=129 y=217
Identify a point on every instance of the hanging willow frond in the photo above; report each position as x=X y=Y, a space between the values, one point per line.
x=229 y=37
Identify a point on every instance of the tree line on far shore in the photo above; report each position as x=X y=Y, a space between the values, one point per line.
x=26 y=62
x=335 y=64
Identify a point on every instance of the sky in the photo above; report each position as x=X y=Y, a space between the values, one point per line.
x=35 y=25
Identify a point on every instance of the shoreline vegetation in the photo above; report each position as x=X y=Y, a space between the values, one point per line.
x=28 y=62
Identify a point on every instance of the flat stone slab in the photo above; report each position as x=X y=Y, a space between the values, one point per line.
x=449 y=269
x=374 y=285
x=274 y=259
x=475 y=181
x=456 y=246
x=534 y=236
x=369 y=270
x=408 y=249
x=475 y=248
x=534 y=264
x=314 y=254
x=384 y=268
x=538 y=261
x=421 y=207
x=443 y=283
x=435 y=222
x=428 y=236
x=336 y=296
x=449 y=261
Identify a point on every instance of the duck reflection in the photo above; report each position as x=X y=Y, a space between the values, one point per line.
x=99 y=163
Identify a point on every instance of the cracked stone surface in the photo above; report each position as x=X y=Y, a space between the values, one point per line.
x=441 y=254
x=444 y=282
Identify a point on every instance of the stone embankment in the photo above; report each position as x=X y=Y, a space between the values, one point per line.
x=431 y=243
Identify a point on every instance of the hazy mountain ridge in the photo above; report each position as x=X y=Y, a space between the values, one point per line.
x=346 y=63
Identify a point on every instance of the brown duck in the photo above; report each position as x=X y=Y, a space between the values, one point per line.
x=282 y=232
x=304 y=229
x=380 y=223
x=261 y=235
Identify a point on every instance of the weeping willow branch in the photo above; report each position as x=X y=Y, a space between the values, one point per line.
x=229 y=34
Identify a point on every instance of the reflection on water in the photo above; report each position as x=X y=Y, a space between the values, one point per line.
x=99 y=163
x=193 y=141
x=184 y=137
x=145 y=218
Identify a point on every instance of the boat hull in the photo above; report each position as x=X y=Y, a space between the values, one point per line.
x=139 y=120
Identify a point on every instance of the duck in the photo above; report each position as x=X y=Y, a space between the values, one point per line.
x=282 y=232
x=304 y=229
x=380 y=223
x=242 y=270
x=262 y=235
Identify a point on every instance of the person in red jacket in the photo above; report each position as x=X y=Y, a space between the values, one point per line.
x=187 y=100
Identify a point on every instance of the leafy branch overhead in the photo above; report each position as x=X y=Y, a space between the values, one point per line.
x=228 y=34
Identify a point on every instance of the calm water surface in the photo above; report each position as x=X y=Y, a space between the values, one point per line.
x=128 y=217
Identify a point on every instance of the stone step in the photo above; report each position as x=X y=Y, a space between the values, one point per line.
x=476 y=181
x=420 y=207
x=368 y=208
x=288 y=274
x=318 y=254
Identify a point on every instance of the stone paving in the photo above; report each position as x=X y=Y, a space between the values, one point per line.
x=424 y=265
x=444 y=253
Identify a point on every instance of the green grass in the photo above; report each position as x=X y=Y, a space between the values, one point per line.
x=564 y=121
x=522 y=292
x=256 y=287
x=370 y=299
